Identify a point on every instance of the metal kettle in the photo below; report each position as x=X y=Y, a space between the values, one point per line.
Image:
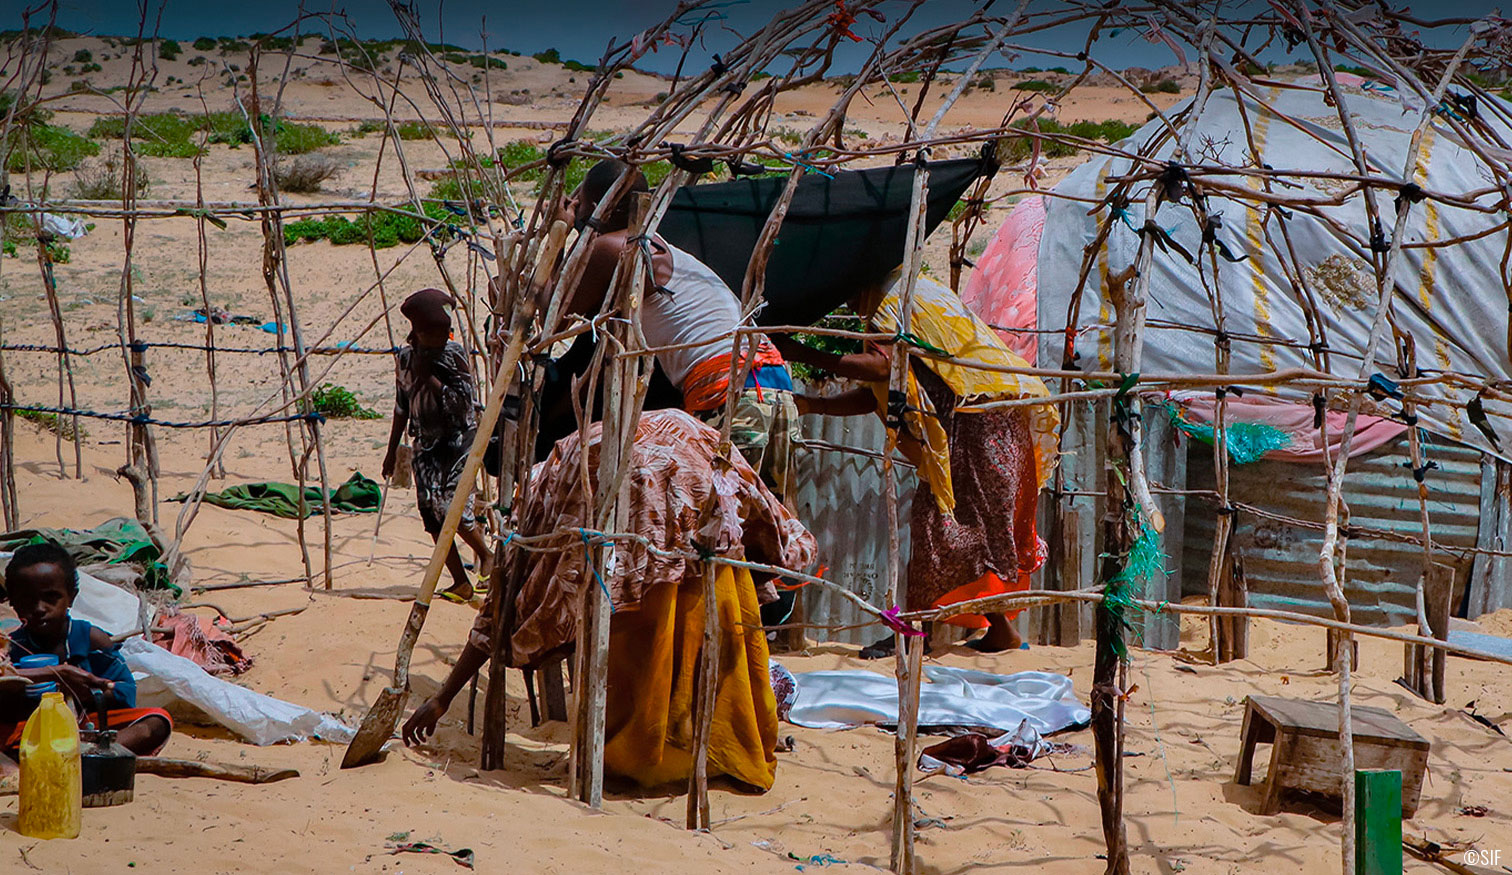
x=109 y=769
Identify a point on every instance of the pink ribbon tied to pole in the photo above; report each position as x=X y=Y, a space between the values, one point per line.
x=891 y=621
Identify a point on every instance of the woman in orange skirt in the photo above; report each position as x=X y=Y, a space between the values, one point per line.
x=980 y=470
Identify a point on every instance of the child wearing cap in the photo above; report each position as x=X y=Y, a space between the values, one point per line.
x=435 y=401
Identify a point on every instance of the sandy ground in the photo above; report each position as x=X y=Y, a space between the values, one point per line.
x=833 y=792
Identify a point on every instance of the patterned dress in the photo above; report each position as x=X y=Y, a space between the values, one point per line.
x=442 y=423
x=993 y=471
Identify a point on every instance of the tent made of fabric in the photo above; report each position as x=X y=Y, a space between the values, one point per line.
x=1452 y=300
x=842 y=231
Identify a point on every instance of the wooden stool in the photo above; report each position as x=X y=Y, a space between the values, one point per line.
x=1305 y=750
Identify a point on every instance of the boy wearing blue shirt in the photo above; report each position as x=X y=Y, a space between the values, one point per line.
x=41 y=583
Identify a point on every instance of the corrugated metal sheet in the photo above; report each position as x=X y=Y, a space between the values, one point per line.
x=1083 y=475
x=840 y=500
x=1281 y=559
x=1491 y=576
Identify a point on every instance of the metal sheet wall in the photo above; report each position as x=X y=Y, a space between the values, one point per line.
x=1281 y=558
x=840 y=500
x=1083 y=476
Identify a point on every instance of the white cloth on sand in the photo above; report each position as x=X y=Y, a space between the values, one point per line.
x=187 y=692
x=950 y=697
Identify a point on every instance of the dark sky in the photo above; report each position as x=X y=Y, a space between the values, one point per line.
x=580 y=29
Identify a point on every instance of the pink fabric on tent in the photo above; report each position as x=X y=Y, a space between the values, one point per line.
x=1001 y=289
x=1371 y=432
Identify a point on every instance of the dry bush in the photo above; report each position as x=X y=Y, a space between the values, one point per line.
x=306 y=173
x=101 y=180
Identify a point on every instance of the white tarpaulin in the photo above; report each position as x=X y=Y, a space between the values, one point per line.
x=189 y=693
x=949 y=697
x=1452 y=300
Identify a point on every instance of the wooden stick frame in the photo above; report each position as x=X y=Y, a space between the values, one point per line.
x=733 y=113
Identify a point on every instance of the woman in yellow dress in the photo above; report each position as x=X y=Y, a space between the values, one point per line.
x=980 y=470
x=656 y=592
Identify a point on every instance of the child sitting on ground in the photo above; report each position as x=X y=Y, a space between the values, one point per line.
x=41 y=583
x=434 y=397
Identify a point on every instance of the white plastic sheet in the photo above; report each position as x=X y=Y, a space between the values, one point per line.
x=1452 y=300
x=71 y=227
x=109 y=608
x=185 y=690
x=950 y=697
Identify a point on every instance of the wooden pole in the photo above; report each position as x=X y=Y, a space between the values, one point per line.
x=8 y=446
x=1123 y=512
x=705 y=697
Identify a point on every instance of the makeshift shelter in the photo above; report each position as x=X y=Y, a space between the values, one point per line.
x=842 y=231
x=1293 y=290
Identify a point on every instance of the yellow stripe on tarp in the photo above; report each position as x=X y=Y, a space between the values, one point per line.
x=1428 y=277
x=1104 y=313
x=1254 y=228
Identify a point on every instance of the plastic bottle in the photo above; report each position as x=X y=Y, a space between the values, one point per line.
x=51 y=781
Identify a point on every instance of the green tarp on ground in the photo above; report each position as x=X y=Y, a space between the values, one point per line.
x=120 y=540
x=357 y=495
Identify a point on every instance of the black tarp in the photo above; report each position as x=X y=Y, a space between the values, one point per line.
x=840 y=233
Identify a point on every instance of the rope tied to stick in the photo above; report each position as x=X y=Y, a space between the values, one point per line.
x=588 y=560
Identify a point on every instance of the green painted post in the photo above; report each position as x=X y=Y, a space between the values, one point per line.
x=1378 y=822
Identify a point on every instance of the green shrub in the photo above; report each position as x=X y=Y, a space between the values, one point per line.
x=1109 y=131
x=175 y=134
x=44 y=146
x=83 y=56
x=415 y=131
x=338 y=402
x=90 y=68
x=64 y=428
x=273 y=43
x=1358 y=71
x=387 y=228
x=297 y=139
x=368 y=126
x=842 y=319
x=908 y=77
x=1036 y=85
x=204 y=44
x=1164 y=86
x=579 y=67
x=160 y=135
x=550 y=56
x=169 y=50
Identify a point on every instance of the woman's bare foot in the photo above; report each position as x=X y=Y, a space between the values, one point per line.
x=1001 y=636
x=460 y=592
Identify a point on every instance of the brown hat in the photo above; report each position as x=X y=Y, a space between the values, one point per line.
x=428 y=308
